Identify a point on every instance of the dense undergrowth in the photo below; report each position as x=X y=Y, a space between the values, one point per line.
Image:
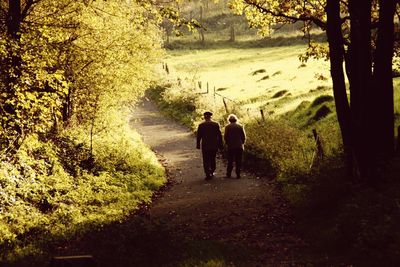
x=346 y=221
x=49 y=196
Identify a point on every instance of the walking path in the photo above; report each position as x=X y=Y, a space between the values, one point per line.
x=238 y=222
x=248 y=212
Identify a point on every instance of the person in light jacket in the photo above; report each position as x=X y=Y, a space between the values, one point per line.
x=235 y=138
x=210 y=137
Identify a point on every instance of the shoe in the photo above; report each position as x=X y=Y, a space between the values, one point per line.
x=208 y=177
x=228 y=175
x=238 y=176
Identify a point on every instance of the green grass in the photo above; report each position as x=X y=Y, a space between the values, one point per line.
x=333 y=212
x=243 y=73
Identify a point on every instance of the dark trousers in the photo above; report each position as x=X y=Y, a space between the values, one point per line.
x=234 y=155
x=209 y=161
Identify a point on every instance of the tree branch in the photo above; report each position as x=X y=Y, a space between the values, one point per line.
x=281 y=14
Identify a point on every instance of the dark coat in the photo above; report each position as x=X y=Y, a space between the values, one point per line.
x=234 y=135
x=209 y=135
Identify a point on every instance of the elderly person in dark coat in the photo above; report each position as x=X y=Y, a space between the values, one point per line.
x=210 y=137
x=234 y=137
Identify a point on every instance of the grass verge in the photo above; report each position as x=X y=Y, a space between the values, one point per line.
x=53 y=190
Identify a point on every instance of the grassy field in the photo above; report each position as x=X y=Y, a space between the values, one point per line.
x=269 y=78
x=331 y=210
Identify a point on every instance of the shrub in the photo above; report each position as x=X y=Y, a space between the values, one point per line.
x=321 y=112
x=285 y=148
x=46 y=195
x=279 y=94
x=181 y=104
x=321 y=99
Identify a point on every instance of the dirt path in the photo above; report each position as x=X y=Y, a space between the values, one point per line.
x=248 y=212
x=193 y=222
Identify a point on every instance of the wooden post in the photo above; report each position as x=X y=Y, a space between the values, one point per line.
x=207 y=87
x=318 y=152
x=262 y=115
x=166 y=68
x=225 y=105
x=199 y=83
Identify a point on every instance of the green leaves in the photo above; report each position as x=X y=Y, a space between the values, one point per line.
x=76 y=60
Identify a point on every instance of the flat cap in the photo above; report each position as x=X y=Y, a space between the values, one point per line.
x=207 y=113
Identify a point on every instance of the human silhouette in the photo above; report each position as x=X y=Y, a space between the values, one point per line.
x=235 y=138
x=210 y=137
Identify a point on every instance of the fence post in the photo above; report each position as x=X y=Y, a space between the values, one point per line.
x=215 y=103
x=199 y=83
x=166 y=68
x=262 y=115
x=225 y=105
x=207 y=87
x=318 y=152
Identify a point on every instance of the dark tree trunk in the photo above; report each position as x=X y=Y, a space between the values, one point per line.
x=14 y=18
x=13 y=22
x=13 y=64
x=383 y=82
x=336 y=52
x=361 y=93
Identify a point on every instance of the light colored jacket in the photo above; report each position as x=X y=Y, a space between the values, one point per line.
x=234 y=135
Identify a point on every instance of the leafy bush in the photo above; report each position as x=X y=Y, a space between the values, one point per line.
x=47 y=195
x=182 y=104
x=285 y=148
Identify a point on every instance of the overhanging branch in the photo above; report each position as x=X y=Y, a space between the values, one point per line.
x=280 y=14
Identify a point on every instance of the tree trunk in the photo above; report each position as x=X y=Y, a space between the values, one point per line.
x=360 y=79
x=13 y=25
x=336 y=52
x=14 y=18
x=201 y=31
x=383 y=81
x=13 y=22
x=232 y=33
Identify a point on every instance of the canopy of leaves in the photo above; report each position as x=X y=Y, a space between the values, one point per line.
x=73 y=60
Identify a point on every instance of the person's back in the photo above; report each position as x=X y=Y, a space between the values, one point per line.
x=234 y=138
x=210 y=135
x=234 y=135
